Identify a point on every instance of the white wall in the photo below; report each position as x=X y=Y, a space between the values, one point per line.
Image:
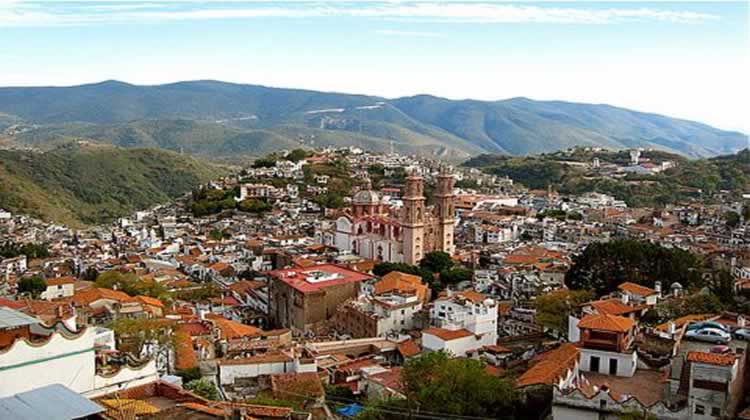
x=123 y=379
x=69 y=362
x=626 y=363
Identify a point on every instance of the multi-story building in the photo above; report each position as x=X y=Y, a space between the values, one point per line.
x=462 y=322
x=373 y=230
x=302 y=297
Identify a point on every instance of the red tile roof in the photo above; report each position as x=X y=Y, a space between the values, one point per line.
x=60 y=281
x=447 y=335
x=711 y=358
x=551 y=366
x=636 y=289
x=297 y=277
x=606 y=322
x=408 y=348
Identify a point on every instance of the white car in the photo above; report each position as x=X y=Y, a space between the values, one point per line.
x=711 y=335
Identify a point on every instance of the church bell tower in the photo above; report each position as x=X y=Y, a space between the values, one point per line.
x=412 y=219
x=445 y=211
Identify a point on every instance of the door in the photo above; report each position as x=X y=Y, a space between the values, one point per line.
x=613 y=366
x=594 y=365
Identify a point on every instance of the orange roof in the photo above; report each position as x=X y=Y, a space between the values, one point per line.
x=606 y=322
x=60 y=281
x=150 y=301
x=550 y=366
x=88 y=296
x=613 y=306
x=636 y=289
x=711 y=358
x=408 y=348
x=231 y=329
x=203 y=409
x=447 y=335
x=472 y=296
x=184 y=354
x=398 y=281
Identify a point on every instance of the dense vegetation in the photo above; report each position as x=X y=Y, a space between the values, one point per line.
x=689 y=179
x=91 y=184
x=439 y=386
x=437 y=270
x=11 y=249
x=602 y=266
x=223 y=119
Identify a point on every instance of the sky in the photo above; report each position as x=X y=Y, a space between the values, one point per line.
x=683 y=59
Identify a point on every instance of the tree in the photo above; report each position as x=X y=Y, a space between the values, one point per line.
x=436 y=261
x=134 y=333
x=732 y=219
x=722 y=285
x=552 y=309
x=254 y=206
x=203 y=388
x=33 y=285
x=602 y=266
x=297 y=155
x=130 y=284
x=437 y=383
x=189 y=374
x=456 y=275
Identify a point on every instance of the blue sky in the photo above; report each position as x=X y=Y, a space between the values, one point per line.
x=683 y=59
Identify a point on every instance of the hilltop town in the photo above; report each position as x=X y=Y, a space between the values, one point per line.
x=342 y=283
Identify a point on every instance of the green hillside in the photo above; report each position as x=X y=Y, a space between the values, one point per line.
x=223 y=119
x=689 y=179
x=88 y=184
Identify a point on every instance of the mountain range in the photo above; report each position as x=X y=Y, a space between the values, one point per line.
x=218 y=119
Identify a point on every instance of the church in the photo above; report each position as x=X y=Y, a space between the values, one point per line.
x=375 y=230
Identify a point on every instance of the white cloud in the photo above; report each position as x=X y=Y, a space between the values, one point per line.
x=46 y=13
x=409 y=34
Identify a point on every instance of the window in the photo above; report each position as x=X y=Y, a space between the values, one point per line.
x=715 y=412
x=403 y=311
x=594 y=364
x=699 y=409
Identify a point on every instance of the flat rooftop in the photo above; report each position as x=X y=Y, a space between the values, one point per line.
x=314 y=278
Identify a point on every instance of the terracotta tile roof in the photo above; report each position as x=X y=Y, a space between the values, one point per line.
x=231 y=329
x=606 y=322
x=614 y=306
x=204 y=409
x=60 y=281
x=150 y=301
x=398 y=281
x=291 y=385
x=494 y=370
x=472 y=296
x=390 y=379
x=408 y=348
x=711 y=358
x=447 y=335
x=496 y=348
x=185 y=357
x=636 y=289
x=245 y=286
x=259 y=410
x=550 y=366
x=88 y=296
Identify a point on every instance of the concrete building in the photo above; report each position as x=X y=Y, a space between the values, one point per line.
x=302 y=297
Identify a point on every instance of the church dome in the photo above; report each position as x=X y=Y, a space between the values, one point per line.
x=366 y=197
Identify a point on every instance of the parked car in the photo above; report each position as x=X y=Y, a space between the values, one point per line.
x=742 y=334
x=721 y=349
x=710 y=335
x=707 y=324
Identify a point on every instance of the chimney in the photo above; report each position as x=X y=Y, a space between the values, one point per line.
x=671 y=327
x=657 y=287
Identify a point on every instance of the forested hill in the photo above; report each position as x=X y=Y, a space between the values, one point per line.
x=688 y=179
x=85 y=184
x=224 y=119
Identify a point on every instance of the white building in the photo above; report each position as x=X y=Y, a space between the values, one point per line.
x=464 y=322
x=59 y=287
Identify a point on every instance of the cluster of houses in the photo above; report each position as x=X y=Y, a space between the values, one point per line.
x=264 y=308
